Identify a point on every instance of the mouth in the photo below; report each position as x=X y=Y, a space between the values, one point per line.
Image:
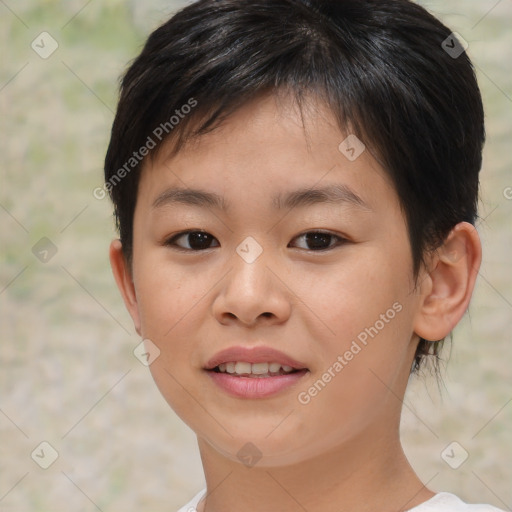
x=257 y=372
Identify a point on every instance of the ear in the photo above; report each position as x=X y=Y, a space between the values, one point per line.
x=447 y=287
x=123 y=276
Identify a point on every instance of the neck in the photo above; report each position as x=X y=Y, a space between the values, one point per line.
x=358 y=476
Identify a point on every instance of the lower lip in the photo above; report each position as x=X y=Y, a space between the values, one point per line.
x=254 y=387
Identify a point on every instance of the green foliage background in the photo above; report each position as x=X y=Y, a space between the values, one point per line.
x=68 y=374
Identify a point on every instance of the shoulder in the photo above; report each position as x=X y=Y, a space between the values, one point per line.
x=447 y=502
x=192 y=504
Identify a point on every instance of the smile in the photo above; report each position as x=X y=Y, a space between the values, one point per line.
x=254 y=370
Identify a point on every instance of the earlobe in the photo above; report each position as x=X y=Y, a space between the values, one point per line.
x=123 y=276
x=449 y=283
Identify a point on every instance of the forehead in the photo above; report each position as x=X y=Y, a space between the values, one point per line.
x=269 y=152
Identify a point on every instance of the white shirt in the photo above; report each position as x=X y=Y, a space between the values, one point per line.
x=441 y=502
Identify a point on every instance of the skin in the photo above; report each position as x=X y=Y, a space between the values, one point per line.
x=340 y=451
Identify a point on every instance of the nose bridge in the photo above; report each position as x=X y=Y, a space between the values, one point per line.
x=251 y=290
x=249 y=250
x=250 y=273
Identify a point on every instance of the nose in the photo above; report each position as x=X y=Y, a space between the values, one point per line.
x=253 y=293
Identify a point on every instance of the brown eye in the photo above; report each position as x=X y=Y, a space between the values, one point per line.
x=320 y=241
x=201 y=240
x=194 y=240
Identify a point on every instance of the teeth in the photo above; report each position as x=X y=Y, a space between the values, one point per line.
x=244 y=368
x=259 y=368
x=274 y=367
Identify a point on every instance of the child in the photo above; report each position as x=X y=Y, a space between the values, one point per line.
x=295 y=184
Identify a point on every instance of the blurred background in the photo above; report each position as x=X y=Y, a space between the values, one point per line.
x=68 y=376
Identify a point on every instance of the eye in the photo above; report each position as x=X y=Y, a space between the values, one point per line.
x=201 y=240
x=320 y=241
x=197 y=240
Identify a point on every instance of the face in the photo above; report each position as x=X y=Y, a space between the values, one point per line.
x=273 y=272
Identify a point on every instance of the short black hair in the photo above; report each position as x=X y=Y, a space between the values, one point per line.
x=383 y=67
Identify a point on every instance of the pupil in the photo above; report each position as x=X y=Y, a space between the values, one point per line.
x=198 y=240
x=316 y=239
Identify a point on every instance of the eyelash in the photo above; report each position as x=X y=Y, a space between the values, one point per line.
x=171 y=242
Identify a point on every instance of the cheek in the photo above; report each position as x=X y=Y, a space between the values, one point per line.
x=358 y=384
x=355 y=295
x=165 y=295
x=368 y=311
x=170 y=308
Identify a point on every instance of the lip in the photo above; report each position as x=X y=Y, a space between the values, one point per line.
x=253 y=387
x=253 y=355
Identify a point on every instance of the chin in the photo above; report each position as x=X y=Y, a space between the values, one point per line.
x=261 y=453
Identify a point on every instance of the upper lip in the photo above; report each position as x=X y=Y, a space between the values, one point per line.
x=259 y=354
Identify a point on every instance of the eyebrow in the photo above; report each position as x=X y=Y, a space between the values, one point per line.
x=330 y=194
